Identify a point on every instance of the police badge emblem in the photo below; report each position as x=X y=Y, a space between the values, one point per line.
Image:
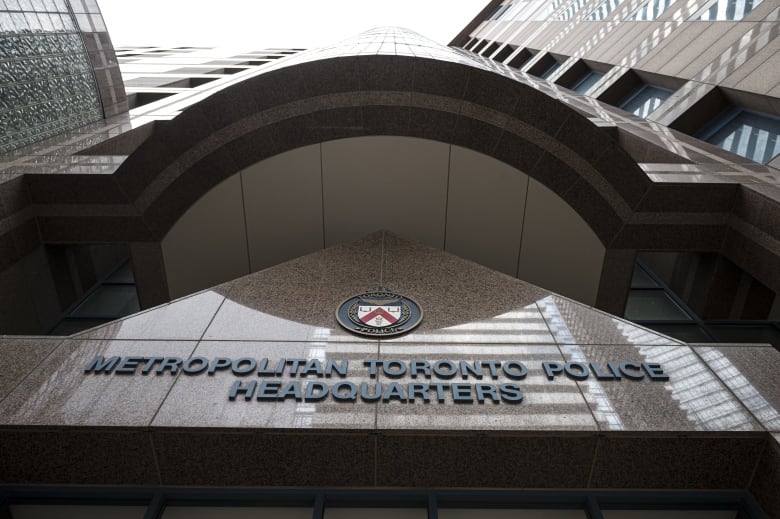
x=379 y=313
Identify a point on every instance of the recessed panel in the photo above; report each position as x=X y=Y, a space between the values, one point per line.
x=486 y=201
x=559 y=251
x=207 y=246
x=393 y=183
x=283 y=201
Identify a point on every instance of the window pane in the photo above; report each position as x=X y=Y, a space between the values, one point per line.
x=747 y=333
x=669 y=514
x=376 y=513
x=552 y=68
x=684 y=332
x=651 y=10
x=750 y=135
x=109 y=301
x=652 y=305
x=76 y=512
x=645 y=100
x=604 y=10
x=123 y=275
x=475 y=513
x=235 y=512
x=640 y=279
x=571 y=10
x=587 y=82
x=729 y=9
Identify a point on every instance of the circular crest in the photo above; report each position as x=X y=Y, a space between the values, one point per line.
x=379 y=313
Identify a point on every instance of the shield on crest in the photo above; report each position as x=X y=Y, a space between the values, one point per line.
x=379 y=316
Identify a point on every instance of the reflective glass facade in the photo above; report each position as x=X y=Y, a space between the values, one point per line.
x=46 y=81
x=720 y=10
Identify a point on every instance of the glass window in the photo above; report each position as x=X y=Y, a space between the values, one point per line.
x=763 y=333
x=109 y=301
x=571 y=10
x=376 y=513
x=487 y=513
x=603 y=10
x=123 y=274
x=644 y=100
x=651 y=10
x=552 y=68
x=82 y=512
x=587 y=81
x=718 y=10
x=641 y=279
x=687 y=332
x=653 y=305
x=669 y=514
x=751 y=135
x=500 y=12
x=234 y=512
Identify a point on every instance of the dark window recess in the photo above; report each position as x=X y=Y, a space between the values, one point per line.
x=639 y=95
x=111 y=298
x=190 y=82
x=490 y=49
x=504 y=53
x=644 y=100
x=739 y=125
x=479 y=46
x=545 y=66
x=520 y=59
x=587 y=82
x=580 y=77
x=701 y=297
x=136 y=99
x=227 y=70
x=753 y=135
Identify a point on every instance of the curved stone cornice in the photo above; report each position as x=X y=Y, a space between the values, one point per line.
x=412 y=88
x=318 y=101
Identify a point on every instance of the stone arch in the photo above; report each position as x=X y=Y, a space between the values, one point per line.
x=383 y=95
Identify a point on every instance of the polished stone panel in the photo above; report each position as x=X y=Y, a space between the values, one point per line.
x=546 y=405
x=500 y=461
x=693 y=399
x=59 y=392
x=575 y=323
x=185 y=319
x=751 y=374
x=202 y=400
x=256 y=310
x=462 y=301
x=76 y=457
x=711 y=462
x=230 y=458
x=20 y=356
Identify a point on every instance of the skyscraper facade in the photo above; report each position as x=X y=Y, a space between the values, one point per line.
x=389 y=276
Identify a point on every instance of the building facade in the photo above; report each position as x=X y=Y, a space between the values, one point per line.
x=559 y=164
